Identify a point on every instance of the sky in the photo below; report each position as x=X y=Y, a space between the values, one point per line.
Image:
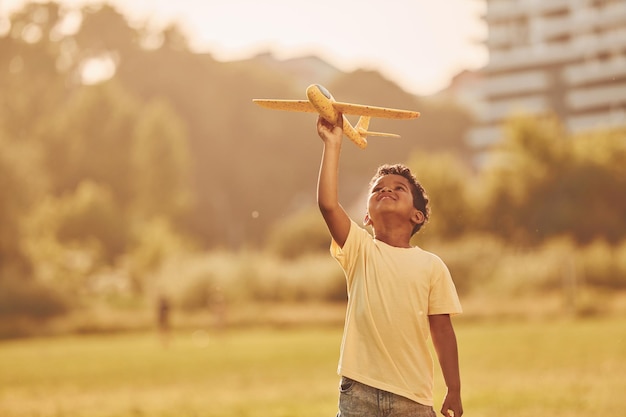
x=418 y=44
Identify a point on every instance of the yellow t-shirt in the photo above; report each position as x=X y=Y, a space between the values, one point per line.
x=391 y=292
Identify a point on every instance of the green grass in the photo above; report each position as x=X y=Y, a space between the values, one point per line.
x=573 y=368
x=517 y=369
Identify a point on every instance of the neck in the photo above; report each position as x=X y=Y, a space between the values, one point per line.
x=400 y=238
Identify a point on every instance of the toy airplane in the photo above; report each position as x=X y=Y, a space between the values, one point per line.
x=322 y=102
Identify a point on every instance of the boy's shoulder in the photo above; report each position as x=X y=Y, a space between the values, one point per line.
x=430 y=255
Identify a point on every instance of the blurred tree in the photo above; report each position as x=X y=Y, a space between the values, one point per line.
x=160 y=171
x=136 y=151
x=597 y=180
x=154 y=242
x=448 y=183
x=22 y=184
x=90 y=146
x=104 y=30
x=226 y=135
x=299 y=235
x=30 y=80
x=91 y=217
x=30 y=299
x=68 y=238
x=89 y=137
x=548 y=183
x=31 y=84
x=529 y=155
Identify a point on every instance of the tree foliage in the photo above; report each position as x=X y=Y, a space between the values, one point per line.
x=448 y=183
x=299 y=235
x=83 y=166
x=170 y=150
x=547 y=183
x=160 y=163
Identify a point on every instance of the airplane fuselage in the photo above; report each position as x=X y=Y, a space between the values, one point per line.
x=322 y=100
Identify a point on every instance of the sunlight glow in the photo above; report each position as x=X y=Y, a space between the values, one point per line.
x=419 y=44
x=98 y=69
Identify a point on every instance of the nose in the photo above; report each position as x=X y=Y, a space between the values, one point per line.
x=385 y=189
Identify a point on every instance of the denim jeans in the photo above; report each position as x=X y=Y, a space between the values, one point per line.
x=360 y=400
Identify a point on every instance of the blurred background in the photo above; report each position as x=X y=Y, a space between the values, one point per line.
x=135 y=167
x=141 y=189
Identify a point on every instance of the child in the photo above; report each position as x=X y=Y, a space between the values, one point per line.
x=398 y=295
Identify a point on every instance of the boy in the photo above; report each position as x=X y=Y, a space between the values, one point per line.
x=398 y=295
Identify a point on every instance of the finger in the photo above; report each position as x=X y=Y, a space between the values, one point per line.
x=448 y=412
x=454 y=413
x=321 y=122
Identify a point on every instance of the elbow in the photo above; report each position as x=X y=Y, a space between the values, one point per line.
x=325 y=210
x=324 y=205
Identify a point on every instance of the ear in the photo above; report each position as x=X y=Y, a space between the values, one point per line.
x=418 y=217
x=366 y=220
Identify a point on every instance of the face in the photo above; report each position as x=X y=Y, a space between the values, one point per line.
x=391 y=194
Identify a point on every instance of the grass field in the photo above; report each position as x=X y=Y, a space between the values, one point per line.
x=517 y=369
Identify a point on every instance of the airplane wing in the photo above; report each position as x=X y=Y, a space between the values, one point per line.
x=383 y=112
x=345 y=108
x=363 y=132
x=288 y=105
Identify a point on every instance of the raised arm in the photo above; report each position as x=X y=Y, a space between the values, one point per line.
x=334 y=215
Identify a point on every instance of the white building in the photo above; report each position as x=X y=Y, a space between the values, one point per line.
x=561 y=56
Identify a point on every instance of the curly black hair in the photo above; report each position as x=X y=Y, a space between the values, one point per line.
x=420 y=198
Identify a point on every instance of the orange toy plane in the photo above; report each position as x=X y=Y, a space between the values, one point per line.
x=321 y=101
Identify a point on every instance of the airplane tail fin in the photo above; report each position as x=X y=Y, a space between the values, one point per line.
x=363 y=124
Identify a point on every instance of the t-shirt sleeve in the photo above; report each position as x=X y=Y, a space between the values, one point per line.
x=443 y=298
x=342 y=253
x=347 y=255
